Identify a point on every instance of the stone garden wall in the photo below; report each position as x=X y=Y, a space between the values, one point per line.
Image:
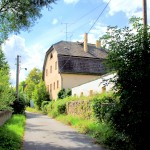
x=4 y=116
x=80 y=108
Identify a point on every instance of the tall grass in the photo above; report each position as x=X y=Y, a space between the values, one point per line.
x=11 y=133
x=33 y=110
x=94 y=129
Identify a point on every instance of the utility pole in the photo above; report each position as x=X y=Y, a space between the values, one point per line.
x=144 y=13
x=17 y=78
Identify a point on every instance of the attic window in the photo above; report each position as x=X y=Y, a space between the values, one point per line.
x=66 y=48
x=51 y=56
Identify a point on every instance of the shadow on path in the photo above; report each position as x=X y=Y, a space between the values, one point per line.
x=44 y=133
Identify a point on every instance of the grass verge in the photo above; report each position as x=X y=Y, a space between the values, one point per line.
x=33 y=110
x=97 y=131
x=11 y=133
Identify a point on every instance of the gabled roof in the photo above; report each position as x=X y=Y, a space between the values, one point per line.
x=72 y=54
x=76 y=49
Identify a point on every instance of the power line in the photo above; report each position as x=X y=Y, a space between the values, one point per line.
x=77 y=20
x=99 y=16
x=87 y=14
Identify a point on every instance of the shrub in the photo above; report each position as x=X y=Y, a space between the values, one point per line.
x=40 y=94
x=102 y=106
x=19 y=105
x=44 y=106
x=63 y=93
x=61 y=108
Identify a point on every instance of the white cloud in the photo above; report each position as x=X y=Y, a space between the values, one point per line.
x=71 y=1
x=30 y=56
x=130 y=8
x=55 y=21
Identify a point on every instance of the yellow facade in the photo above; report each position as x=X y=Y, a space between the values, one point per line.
x=55 y=81
x=72 y=80
x=52 y=77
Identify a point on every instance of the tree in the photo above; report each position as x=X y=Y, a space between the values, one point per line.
x=129 y=56
x=6 y=92
x=32 y=80
x=19 y=14
x=40 y=94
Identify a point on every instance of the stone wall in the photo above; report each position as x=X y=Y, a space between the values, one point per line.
x=4 y=116
x=80 y=108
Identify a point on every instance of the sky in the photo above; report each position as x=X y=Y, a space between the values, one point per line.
x=67 y=20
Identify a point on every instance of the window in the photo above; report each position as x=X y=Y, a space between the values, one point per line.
x=50 y=69
x=51 y=56
x=57 y=84
x=50 y=88
x=81 y=94
x=56 y=65
x=103 y=89
x=47 y=88
x=54 y=85
x=91 y=93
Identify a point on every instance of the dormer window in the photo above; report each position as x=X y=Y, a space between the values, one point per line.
x=51 y=56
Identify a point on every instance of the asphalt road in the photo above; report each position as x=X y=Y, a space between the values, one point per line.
x=45 y=133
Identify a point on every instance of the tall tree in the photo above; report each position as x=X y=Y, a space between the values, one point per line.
x=19 y=14
x=40 y=94
x=6 y=93
x=129 y=56
x=32 y=80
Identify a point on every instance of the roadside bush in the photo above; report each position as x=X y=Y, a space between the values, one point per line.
x=19 y=105
x=61 y=108
x=58 y=107
x=102 y=106
x=40 y=94
x=64 y=93
x=44 y=106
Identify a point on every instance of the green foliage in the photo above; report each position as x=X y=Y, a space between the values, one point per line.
x=19 y=106
x=64 y=93
x=99 y=130
x=34 y=110
x=19 y=14
x=11 y=133
x=102 y=106
x=58 y=107
x=31 y=81
x=6 y=92
x=129 y=55
x=44 y=106
x=40 y=94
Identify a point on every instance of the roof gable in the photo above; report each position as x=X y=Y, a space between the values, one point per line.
x=73 y=59
x=76 y=49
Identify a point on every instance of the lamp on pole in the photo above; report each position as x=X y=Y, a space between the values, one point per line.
x=17 y=77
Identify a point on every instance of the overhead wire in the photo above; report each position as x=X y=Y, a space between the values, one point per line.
x=89 y=29
x=99 y=16
x=83 y=16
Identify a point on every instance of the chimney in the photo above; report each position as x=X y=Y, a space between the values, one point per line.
x=85 y=42
x=98 y=44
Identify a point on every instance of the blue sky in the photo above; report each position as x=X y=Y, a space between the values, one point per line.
x=78 y=16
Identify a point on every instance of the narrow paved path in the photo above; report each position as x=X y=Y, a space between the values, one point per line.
x=44 y=133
